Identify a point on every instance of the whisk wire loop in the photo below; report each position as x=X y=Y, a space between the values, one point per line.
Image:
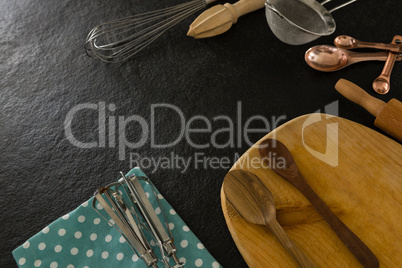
x=120 y=39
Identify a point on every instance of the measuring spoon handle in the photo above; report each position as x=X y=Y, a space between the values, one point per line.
x=390 y=47
x=348 y=42
x=381 y=84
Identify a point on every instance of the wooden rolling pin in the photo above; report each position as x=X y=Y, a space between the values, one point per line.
x=218 y=19
x=388 y=115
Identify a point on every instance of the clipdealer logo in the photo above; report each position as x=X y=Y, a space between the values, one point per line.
x=331 y=155
x=112 y=130
x=237 y=130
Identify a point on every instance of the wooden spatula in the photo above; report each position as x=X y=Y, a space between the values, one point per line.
x=253 y=201
x=271 y=148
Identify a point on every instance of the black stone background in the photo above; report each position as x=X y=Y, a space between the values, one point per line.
x=45 y=73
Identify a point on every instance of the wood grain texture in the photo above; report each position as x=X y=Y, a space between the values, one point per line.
x=388 y=115
x=390 y=119
x=276 y=150
x=359 y=96
x=254 y=202
x=363 y=190
x=220 y=18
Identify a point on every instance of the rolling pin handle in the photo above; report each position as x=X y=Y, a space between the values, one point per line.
x=359 y=96
x=388 y=115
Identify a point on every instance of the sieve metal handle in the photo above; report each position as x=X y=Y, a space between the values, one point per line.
x=338 y=7
x=271 y=7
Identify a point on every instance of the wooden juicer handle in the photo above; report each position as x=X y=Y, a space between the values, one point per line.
x=220 y=18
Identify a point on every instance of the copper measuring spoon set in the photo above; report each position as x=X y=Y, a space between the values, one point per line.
x=329 y=58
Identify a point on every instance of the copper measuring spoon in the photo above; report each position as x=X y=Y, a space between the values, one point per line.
x=329 y=58
x=381 y=84
x=347 y=42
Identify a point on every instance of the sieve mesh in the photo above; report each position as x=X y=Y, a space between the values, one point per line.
x=299 y=21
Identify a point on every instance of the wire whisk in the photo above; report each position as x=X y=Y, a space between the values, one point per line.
x=120 y=39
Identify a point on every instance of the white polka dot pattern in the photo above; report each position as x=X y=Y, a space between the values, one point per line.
x=62 y=232
x=105 y=255
x=108 y=238
x=158 y=210
x=134 y=258
x=26 y=245
x=119 y=256
x=184 y=243
x=58 y=248
x=37 y=263
x=198 y=262
x=74 y=251
x=93 y=237
x=81 y=218
x=90 y=253
x=78 y=235
x=42 y=246
x=22 y=261
x=74 y=239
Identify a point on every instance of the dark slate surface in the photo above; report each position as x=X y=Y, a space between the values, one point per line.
x=45 y=73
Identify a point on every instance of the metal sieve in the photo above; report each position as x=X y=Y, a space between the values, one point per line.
x=297 y=22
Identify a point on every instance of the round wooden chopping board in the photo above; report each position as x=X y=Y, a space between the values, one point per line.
x=355 y=170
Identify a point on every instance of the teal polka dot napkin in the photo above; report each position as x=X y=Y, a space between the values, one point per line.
x=82 y=238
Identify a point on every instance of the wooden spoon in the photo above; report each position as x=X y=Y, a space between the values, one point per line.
x=273 y=151
x=254 y=203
